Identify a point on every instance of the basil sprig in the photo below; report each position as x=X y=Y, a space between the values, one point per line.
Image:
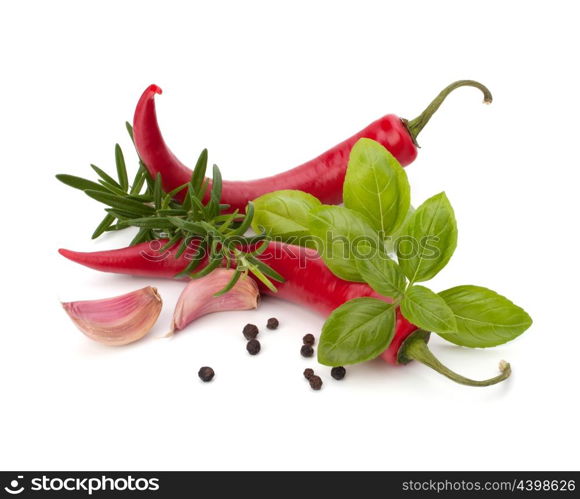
x=158 y=215
x=355 y=242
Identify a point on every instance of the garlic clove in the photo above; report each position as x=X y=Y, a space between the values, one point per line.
x=198 y=298
x=119 y=320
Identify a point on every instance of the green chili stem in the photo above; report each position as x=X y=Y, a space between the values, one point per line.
x=415 y=126
x=415 y=348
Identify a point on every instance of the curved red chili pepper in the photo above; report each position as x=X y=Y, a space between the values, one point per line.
x=140 y=260
x=308 y=282
x=322 y=177
x=321 y=291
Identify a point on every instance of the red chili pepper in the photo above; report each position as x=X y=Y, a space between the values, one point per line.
x=308 y=282
x=322 y=177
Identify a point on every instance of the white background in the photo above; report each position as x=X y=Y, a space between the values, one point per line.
x=266 y=86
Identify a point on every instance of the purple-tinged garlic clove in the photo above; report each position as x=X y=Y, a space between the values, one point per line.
x=119 y=320
x=197 y=299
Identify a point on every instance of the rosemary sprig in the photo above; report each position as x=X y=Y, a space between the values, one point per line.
x=144 y=204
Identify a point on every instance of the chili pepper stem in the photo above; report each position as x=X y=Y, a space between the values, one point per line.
x=415 y=348
x=415 y=126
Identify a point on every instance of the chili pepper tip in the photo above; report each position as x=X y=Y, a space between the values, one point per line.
x=155 y=89
x=68 y=253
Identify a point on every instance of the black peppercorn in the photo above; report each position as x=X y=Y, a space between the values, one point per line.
x=307 y=351
x=338 y=372
x=315 y=382
x=250 y=331
x=308 y=373
x=272 y=323
x=253 y=347
x=206 y=373
x=308 y=339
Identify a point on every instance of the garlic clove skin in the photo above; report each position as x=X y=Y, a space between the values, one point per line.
x=197 y=299
x=119 y=320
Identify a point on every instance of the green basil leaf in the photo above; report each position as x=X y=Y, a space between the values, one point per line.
x=428 y=310
x=429 y=240
x=382 y=274
x=284 y=215
x=339 y=234
x=359 y=330
x=376 y=186
x=484 y=318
